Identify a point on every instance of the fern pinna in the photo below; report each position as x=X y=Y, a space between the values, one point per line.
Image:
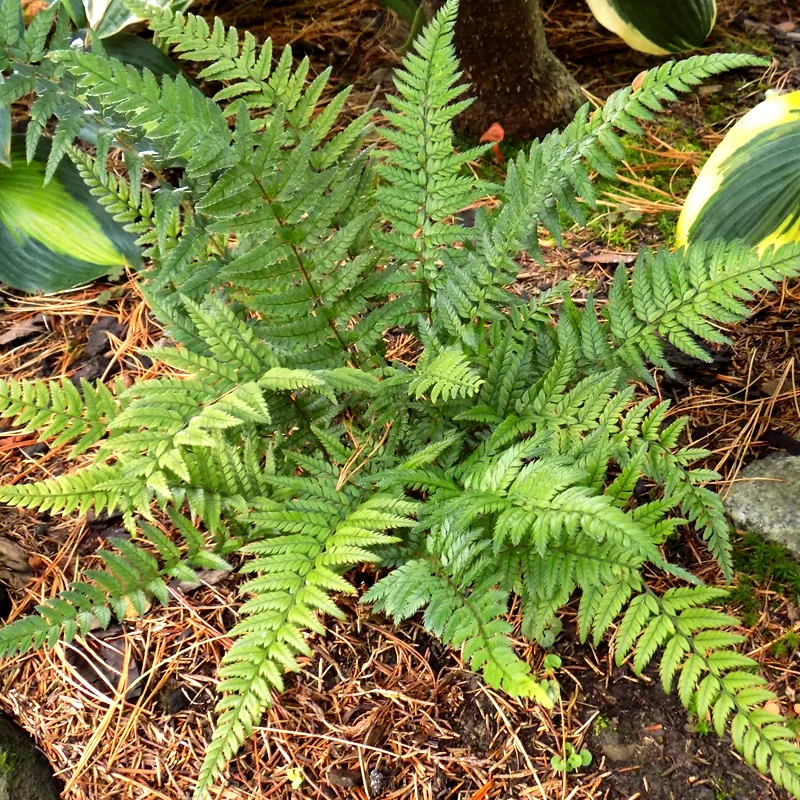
x=502 y=464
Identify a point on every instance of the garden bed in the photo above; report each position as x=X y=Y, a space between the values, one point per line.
x=381 y=711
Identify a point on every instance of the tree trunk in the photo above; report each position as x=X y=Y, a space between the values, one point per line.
x=514 y=77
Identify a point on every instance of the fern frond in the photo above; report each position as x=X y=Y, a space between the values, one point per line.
x=681 y=297
x=719 y=682
x=463 y=608
x=155 y=217
x=296 y=572
x=445 y=375
x=170 y=112
x=345 y=348
x=704 y=509
x=422 y=174
x=230 y=340
x=555 y=173
x=131 y=578
x=98 y=487
x=59 y=411
x=248 y=72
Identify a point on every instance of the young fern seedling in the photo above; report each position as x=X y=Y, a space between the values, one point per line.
x=501 y=464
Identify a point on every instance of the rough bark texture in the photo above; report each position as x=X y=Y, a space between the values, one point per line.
x=515 y=79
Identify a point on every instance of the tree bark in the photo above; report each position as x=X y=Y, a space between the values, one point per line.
x=514 y=77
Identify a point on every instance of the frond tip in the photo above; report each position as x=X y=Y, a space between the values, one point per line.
x=58 y=411
x=295 y=574
x=445 y=376
x=720 y=683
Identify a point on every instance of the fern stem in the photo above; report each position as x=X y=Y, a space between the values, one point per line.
x=315 y=295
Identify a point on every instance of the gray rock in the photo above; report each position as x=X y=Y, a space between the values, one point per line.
x=25 y=773
x=14 y=568
x=616 y=750
x=12 y=556
x=765 y=499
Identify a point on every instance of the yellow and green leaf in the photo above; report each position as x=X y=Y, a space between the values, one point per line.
x=5 y=134
x=749 y=190
x=658 y=26
x=108 y=17
x=55 y=236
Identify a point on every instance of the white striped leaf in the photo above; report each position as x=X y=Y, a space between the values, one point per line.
x=749 y=190
x=107 y=17
x=5 y=134
x=658 y=26
x=55 y=236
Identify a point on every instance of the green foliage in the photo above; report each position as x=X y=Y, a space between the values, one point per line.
x=131 y=578
x=53 y=234
x=702 y=728
x=755 y=168
x=572 y=760
x=660 y=26
x=721 y=684
x=756 y=559
x=59 y=411
x=410 y=11
x=786 y=645
x=107 y=17
x=8 y=761
x=600 y=724
x=513 y=458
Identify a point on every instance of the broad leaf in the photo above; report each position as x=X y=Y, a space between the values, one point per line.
x=107 y=17
x=76 y=12
x=749 y=190
x=412 y=12
x=657 y=26
x=139 y=53
x=405 y=9
x=5 y=134
x=56 y=236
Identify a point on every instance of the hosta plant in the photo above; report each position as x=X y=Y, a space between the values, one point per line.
x=658 y=26
x=53 y=234
x=106 y=18
x=749 y=190
x=510 y=455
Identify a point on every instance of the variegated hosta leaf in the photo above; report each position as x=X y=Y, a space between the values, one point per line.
x=5 y=135
x=657 y=26
x=749 y=190
x=107 y=17
x=57 y=235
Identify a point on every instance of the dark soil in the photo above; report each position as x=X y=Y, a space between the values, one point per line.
x=647 y=739
x=5 y=603
x=643 y=742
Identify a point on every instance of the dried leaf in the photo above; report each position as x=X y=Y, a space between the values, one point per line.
x=22 y=329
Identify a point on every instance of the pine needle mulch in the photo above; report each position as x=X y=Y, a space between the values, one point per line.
x=380 y=711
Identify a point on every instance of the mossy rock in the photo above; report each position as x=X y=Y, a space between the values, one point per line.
x=25 y=773
x=765 y=499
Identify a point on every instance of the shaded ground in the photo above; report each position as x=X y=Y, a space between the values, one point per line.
x=651 y=747
x=382 y=712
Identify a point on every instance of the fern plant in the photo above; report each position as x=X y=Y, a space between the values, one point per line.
x=502 y=464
